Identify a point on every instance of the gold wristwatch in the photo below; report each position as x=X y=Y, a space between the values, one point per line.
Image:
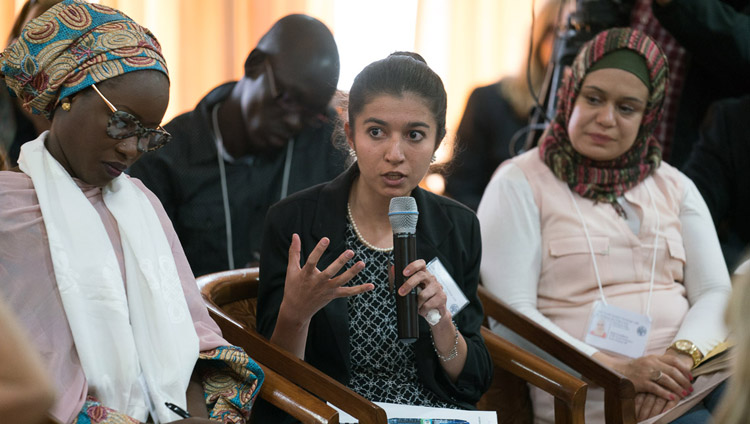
x=687 y=347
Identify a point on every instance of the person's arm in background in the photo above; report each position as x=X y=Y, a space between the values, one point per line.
x=25 y=392
x=716 y=35
x=719 y=165
x=710 y=165
x=467 y=176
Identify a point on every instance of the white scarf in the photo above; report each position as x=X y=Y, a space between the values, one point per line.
x=120 y=337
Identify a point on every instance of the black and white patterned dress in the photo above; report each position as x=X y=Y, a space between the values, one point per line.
x=383 y=368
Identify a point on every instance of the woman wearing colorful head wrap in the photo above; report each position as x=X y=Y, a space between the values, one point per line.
x=88 y=259
x=592 y=230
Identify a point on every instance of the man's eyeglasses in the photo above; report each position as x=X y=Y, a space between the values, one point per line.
x=123 y=125
x=285 y=101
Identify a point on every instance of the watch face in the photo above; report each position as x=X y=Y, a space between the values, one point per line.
x=683 y=345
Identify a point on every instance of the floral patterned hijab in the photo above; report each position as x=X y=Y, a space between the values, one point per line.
x=71 y=46
x=605 y=181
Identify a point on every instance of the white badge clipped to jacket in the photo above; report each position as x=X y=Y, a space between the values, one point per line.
x=618 y=330
x=456 y=298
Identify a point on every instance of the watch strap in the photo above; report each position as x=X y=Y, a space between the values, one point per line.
x=689 y=348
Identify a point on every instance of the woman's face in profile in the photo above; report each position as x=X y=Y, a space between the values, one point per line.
x=394 y=138
x=78 y=138
x=607 y=114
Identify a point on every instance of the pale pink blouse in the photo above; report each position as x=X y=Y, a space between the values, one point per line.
x=29 y=286
x=536 y=258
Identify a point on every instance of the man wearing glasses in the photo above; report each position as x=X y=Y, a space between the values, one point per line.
x=249 y=144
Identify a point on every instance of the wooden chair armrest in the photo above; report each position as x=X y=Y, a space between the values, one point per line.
x=619 y=392
x=288 y=397
x=225 y=287
x=569 y=392
x=296 y=370
x=294 y=400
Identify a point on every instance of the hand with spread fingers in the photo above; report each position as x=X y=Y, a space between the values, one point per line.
x=308 y=289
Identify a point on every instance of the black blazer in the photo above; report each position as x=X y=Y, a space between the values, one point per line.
x=445 y=229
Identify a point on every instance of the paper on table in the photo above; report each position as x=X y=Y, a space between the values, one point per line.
x=393 y=410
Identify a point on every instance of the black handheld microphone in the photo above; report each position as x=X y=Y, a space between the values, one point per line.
x=403 y=215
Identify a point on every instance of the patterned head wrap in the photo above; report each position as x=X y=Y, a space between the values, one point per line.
x=71 y=46
x=604 y=181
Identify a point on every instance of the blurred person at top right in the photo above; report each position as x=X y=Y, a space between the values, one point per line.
x=496 y=113
x=706 y=43
x=735 y=405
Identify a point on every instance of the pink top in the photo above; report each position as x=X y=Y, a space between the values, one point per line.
x=567 y=284
x=536 y=258
x=29 y=286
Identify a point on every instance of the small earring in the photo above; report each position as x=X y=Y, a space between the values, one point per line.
x=65 y=106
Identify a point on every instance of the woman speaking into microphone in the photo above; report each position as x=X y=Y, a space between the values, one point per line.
x=324 y=291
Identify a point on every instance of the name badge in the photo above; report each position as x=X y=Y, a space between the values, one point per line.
x=618 y=330
x=456 y=298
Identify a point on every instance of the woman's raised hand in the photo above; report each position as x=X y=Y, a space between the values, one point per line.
x=307 y=289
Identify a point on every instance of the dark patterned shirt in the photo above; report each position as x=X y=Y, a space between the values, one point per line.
x=383 y=368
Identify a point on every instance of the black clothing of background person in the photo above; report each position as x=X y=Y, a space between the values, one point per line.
x=185 y=176
x=720 y=167
x=275 y=140
x=482 y=143
x=716 y=36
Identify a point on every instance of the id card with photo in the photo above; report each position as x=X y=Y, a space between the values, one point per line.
x=618 y=330
x=456 y=298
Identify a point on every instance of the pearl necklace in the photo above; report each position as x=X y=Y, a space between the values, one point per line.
x=359 y=235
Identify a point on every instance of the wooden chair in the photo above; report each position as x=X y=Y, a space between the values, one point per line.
x=288 y=397
x=619 y=392
x=230 y=297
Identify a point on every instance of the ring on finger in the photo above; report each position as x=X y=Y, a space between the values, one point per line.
x=656 y=377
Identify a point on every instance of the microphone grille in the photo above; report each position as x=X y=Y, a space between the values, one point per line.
x=403 y=215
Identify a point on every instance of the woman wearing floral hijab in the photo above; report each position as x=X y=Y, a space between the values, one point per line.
x=598 y=240
x=88 y=259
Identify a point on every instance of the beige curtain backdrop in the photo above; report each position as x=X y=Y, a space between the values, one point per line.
x=469 y=42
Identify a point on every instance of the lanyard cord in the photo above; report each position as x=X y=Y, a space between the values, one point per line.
x=287 y=169
x=593 y=256
x=224 y=193
x=591 y=247
x=656 y=244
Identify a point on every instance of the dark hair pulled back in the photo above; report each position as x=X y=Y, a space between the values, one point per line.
x=399 y=73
